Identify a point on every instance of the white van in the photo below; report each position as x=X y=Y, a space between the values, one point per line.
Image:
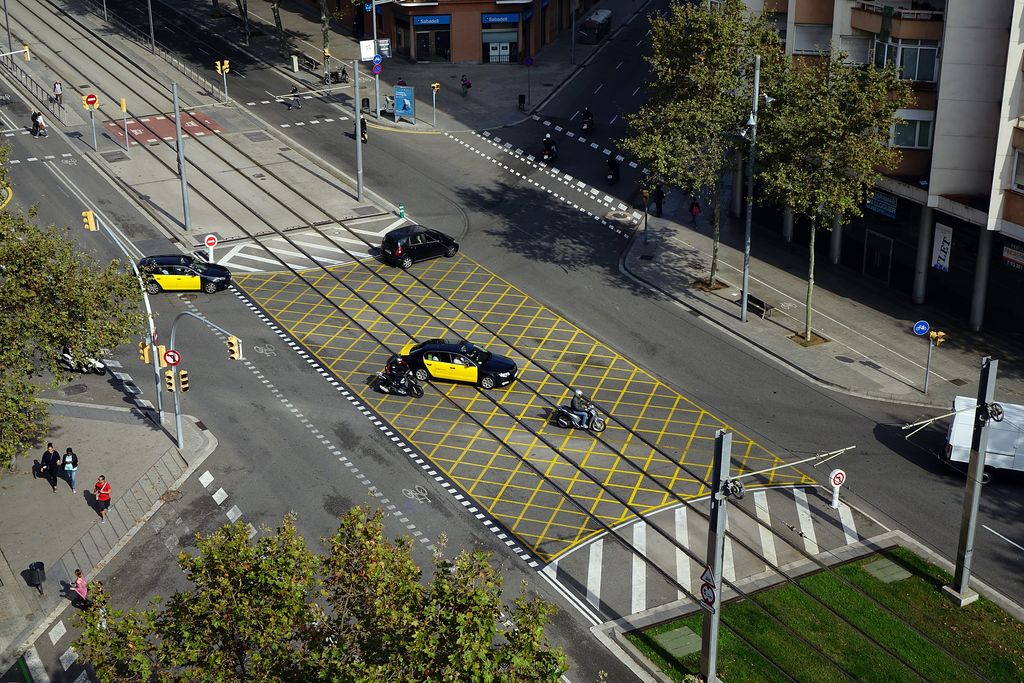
x=1005 y=439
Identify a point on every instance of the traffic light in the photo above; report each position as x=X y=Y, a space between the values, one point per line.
x=227 y=66
x=222 y=66
x=183 y=380
x=646 y=194
x=937 y=337
x=144 y=352
x=85 y=105
x=435 y=87
x=327 y=53
x=89 y=218
x=28 y=56
x=234 y=347
x=169 y=380
x=160 y=351
x=216 y=65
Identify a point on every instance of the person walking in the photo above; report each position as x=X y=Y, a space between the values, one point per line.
x=41 y=122
x=295 y=98
x=50 y=465
x=659 y=198
x=466 y=85
x=58 y=93
x=80 y=590
x=70 y=465
x=102 y=490
x=694 y=212
x=35 y=122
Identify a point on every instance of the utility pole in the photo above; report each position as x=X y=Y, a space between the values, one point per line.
x=7 y=17
x=359 y=133
x=152 y=33
x=960 y=591
x=376 y=50
x=711 y=591
x=752 y=127
x=181 y=159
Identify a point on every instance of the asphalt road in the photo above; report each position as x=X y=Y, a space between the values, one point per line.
x=566 y=260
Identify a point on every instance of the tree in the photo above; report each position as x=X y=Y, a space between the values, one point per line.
x=825 y=136
x=54 y=296
x=275 y=8
x=273 y=610
x=243 y=12
x=700 y=91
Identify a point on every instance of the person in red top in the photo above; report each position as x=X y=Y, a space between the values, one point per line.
x=102 y=491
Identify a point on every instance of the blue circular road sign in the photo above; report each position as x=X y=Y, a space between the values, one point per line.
x=528 y=61
x=377 y=69
x=377 y=59
x=367 y=6
x=921 y=327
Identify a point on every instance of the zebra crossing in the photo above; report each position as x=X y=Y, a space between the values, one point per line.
x=613 y=580
x=328 y=245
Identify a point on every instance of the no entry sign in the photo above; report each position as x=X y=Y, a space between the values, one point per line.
x=91 y=99
x=211 y=241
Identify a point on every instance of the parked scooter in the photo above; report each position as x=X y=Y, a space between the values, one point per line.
x=565 y=418
x=332 y=77
x=85 y=367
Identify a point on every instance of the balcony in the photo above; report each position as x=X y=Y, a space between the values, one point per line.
x=907 y=23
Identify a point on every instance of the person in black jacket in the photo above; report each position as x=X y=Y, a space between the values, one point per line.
x=50 y=465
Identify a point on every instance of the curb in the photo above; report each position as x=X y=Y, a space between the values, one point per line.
x=773 y=355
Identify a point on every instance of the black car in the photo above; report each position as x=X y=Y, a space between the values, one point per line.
x=459 y=362
x=182 y=273
x=411 y=243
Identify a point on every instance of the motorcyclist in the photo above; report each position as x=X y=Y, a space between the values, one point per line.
x=397 y=371
x=580 y=407
x=588 y=117
x=613 y=168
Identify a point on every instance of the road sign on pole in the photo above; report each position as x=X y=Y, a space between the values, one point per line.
x=377 y=69
x=836 y=477
x=92 y=100
x=211 y=242
x=172 y=357
x=921 y=328
x=377 y=59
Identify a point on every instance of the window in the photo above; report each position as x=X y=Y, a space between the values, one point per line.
x=812 y=39
x=857 y=49
x=1018 y=171
x=918 y=59
x=915 y=132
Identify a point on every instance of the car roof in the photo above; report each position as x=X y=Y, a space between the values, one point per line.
x=169 y=258
x=406 y=230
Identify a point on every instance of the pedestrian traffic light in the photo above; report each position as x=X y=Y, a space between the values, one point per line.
x=169 y=380
x=227 y=66
x=28 y=55
x=327 y=53
x=646 y=194
x=216 y=65
x=234 y=347
x=89 y=218
x=160 y=351
x=937 y=337
x=183 y=380
x=144 y=352
x=435 y=86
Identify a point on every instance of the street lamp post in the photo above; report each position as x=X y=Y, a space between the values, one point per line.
x=752 y=127
x=7 y=17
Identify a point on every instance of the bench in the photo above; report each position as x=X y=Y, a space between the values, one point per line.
x=309 y=64
x=759 y=307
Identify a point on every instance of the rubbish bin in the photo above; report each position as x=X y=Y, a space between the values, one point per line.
x=365 y=104
x=36 y=575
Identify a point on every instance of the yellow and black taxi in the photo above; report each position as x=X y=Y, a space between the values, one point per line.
x=458 y=362
x=182 y=273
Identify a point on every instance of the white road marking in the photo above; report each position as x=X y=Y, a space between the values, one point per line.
x=619 y=64
x=767 y=537
x=613 y=119
x=599 y=88
x=682 y=561
x=728 y=564
x=594 y=573
x=219 y=496
x=36 y=669
x=989 y=529
x=639 y=602
x=803 y=513
x=849 y=526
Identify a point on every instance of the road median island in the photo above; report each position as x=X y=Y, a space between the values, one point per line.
x=935 y=639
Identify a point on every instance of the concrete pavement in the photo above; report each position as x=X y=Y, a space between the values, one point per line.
x=63 y=530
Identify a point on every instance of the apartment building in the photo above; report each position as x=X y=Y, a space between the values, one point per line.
x=947 y=224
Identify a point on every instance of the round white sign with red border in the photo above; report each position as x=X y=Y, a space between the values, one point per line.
x=211 y=241
x=837 y=477
x=172 y=357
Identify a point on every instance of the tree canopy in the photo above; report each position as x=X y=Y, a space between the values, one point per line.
x=700 y=94
x=270 y=609
x=825 y=139
x=53 y=296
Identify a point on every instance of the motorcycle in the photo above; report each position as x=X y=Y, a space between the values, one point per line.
x=565 y=418
x=85 y=367
x=406 y=386
x=613 y=172
x=336 y=77
x=588 y=125
x=550 y=153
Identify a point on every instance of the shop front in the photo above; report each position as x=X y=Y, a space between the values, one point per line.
x=432 y=35
x=500 y=35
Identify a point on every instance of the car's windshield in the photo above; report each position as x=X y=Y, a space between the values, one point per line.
x=478 y=355
x=203 y=268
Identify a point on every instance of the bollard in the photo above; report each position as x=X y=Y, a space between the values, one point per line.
x=401 y=210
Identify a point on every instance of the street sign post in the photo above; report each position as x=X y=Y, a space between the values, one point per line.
x=921 y=328
x=172 y=357
x=377 y=69
x=91 y=102
x=377 y=59
x=836 y=478
x=211 y=242
x=529 y=62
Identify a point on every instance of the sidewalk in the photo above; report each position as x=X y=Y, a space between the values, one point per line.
x=871 y=349
x=63 y=530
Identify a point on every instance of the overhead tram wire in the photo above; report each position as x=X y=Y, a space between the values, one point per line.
x=498 y=336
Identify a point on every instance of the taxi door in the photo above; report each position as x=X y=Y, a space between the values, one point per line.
x=438 y=364
x=187 y=279
x=463 y=369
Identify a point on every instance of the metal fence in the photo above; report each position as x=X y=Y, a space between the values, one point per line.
x=40 y=92
x=142 y=39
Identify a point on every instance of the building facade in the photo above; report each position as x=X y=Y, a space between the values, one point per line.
x=946 y=225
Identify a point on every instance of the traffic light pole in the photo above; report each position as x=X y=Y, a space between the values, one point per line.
x=181 y=159
x=179 y=435
x=376 y=77
x=960 y=590
x=359 y=132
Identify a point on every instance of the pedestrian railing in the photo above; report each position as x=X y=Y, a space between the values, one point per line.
x=39 y=92
x=143 y=39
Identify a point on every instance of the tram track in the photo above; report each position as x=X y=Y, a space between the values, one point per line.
x=504 y=443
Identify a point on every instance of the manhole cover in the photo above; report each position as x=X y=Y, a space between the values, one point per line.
x=257 y=136
x=113 y=157
x=845 y=359
x=170 y=496
x=619 y=217
x=958 y=382
x=75 y=389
